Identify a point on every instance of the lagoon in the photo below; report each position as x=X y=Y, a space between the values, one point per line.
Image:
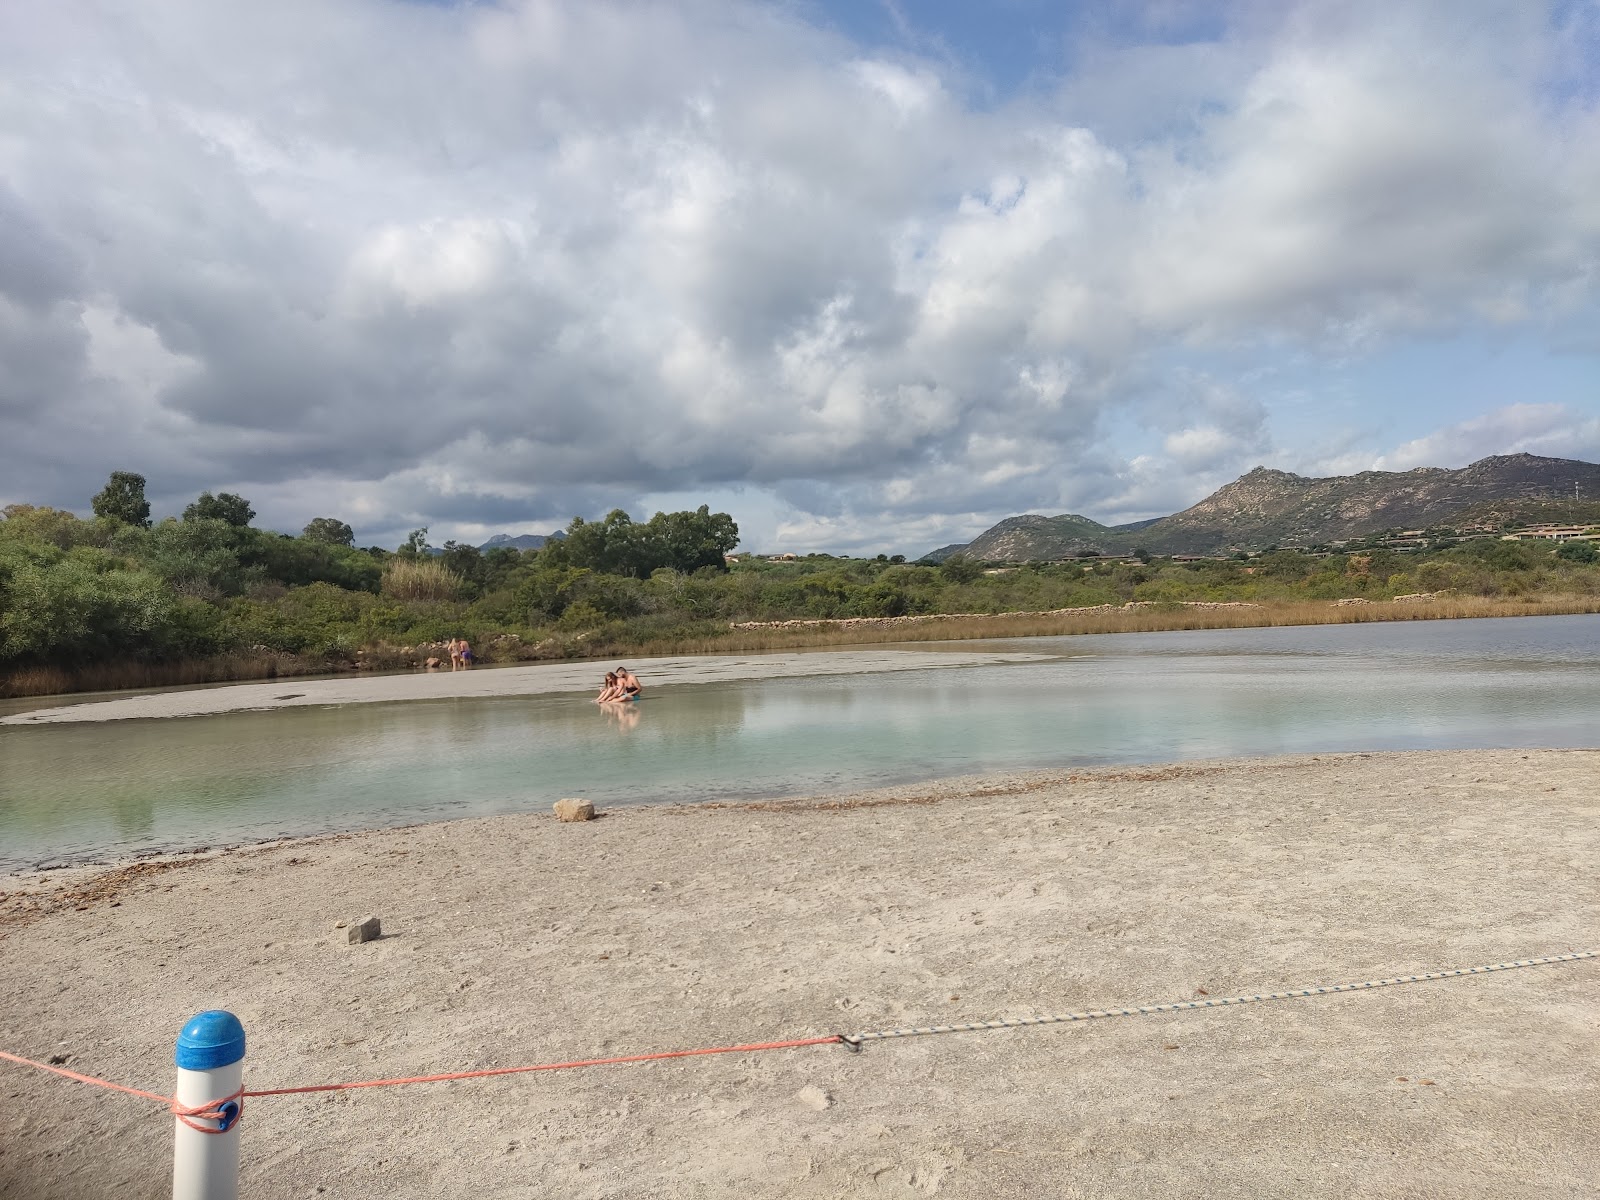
x=91 y=792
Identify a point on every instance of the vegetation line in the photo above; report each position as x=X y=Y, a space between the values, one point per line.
x=120 y=602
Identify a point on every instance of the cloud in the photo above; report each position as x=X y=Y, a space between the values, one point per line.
x=1553 y=430
x=506 y=262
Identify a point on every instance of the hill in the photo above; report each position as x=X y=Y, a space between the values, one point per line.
x=523 y=541
x=1266 y=508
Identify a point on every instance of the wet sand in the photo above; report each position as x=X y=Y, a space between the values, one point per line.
x=518 y=940
x=534 y=680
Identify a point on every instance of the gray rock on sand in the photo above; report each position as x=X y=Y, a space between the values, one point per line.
x=574 y=810
x=367 y=929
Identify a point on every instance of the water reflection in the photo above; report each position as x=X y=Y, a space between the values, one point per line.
x=80 y=790
x=623 y=716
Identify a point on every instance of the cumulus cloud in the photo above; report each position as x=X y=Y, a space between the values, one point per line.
x=494 y=264
x=1552 y=430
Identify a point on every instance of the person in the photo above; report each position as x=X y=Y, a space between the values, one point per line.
x=465 y=652
x=629 y=682
x=610 y=690
x=455 y=653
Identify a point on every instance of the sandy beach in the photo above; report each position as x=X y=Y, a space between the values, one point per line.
x=519 y=940
x=484 y=682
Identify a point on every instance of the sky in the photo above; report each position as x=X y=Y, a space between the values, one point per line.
x=870 y=275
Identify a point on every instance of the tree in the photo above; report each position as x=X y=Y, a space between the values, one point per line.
x=122 y=499
x=618 y=545
x=415 y=545
x=960 y=568
x=329 y=532
x=691 y=540
x=465 y=561
x=225 y=506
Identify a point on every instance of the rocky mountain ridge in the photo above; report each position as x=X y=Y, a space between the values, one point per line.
x=1266 y=507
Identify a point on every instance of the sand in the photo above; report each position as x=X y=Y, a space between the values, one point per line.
x=535 y=680
x=520 y=940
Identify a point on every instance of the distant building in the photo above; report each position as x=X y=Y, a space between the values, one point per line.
x=1551 y=533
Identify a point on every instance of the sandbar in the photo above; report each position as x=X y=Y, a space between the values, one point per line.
x=533 y=680
x=517 y=940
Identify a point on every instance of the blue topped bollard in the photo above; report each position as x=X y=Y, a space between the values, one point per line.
x=210 y=1058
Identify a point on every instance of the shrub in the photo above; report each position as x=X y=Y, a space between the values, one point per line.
x=420 y=579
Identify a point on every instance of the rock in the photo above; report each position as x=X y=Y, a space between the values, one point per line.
x=574 y=810
x=814 y=1097
x=365 y=930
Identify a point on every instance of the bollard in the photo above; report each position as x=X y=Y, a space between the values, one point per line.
x=210 y=1058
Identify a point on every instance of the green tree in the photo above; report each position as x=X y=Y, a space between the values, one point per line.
x=122 y=499
x=618 y=545
x=415 y=545
x=197 y=556
x=329 y=532
x=960 y=568
x=225 y=506
x=691 y=540
x=1578 y=552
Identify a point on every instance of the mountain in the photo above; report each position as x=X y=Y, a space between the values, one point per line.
x=1033 y=537
x=523 y=541
x=1266 y=508
x=935 y=557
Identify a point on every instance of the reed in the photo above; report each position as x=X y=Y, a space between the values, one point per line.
x=423 y=579
x=1152 y=619
x=119 y=676
x=616 y=642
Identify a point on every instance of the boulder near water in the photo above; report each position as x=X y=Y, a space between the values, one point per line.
x=574 y=810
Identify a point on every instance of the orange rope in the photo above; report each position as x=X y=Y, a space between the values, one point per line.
x=210 y=1111
x=213 y=1110
x=831 y=1039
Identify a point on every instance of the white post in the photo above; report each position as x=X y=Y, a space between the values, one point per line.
x=210 y=1058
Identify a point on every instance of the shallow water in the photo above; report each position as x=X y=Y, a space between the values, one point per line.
x=82 y=792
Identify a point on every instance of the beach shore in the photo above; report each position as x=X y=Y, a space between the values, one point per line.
x=484 y=682
x=518 y=940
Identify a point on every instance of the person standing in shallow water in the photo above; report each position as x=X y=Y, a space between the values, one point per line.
x=455 y=653
x=464 y=654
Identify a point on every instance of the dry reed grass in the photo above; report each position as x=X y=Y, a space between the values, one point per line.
x=420 y=579
x=119 y=676
x=1152 y=619
x=50 y=680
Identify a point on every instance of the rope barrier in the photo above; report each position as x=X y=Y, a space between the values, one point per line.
x=214 y=1110
x=211 y=1110
x=855 y=1040
x=831 y=1039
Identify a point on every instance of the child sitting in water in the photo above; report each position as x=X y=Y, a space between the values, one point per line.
x=612 y=690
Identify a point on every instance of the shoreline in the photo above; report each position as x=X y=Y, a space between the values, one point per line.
x=516 y=939
x=493 y=682
x=806 y=634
